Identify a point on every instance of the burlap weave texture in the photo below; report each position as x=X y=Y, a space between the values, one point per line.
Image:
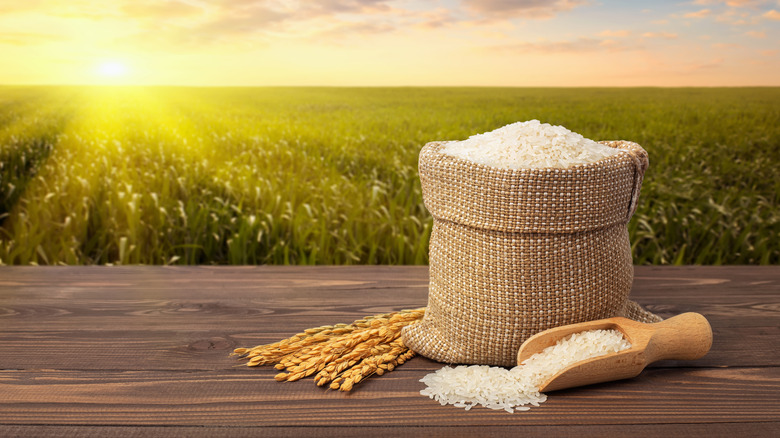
x=515 y=252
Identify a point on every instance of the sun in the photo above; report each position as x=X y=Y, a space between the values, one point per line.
x=112 y=69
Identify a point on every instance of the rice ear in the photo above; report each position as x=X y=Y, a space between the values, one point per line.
x=340 y=355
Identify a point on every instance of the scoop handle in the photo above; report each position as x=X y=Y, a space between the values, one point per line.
x=686 y=336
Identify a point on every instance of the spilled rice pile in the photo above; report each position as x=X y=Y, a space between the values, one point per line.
x=518 y=388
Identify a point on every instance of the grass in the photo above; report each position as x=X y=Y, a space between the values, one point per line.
x=329 y=175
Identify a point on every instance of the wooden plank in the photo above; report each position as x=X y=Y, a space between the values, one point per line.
x=243 y=398
x=41 y=295
x=721 y=291
x=766 y=429
x=161 y=321
x=242 y=282
x=86 y=350
x=207 y=346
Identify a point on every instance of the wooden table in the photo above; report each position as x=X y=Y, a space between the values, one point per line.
x=143 y=351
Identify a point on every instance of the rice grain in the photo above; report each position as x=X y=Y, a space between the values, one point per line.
x=529 y=145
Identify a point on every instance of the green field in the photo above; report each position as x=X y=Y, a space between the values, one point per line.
x=329 y=175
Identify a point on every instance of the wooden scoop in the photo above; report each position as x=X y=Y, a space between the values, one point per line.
x=687 y=336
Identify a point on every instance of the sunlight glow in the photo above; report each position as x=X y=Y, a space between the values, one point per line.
x=112 y=69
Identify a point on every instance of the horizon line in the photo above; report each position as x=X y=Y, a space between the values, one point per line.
x=381 y=86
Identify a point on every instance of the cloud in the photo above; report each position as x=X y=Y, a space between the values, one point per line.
x=708 y=65
x=435 y=19
x=255 y=23
x=698 y=14
x=342 y=30
x=303 y=8
x=611 y=44
x=174 y=25
x=662 y=35
x=578 y=46
x=756 y=34
x=178 y=24
x=615 y=33
x=533 y=9
x=27 y=38
x=732 y=3
x=771 y=14
x=734 y=17
x=160 y=9
x=20 y=6
x=722 y=46
x=730 y=12
x=744 y=3
x=72 y=9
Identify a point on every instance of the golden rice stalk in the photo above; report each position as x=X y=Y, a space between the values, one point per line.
x=342 y=354
x=378 y=364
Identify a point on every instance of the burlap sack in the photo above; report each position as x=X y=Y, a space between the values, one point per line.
x=515 y=252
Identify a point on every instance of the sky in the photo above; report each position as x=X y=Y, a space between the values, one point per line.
x=526 y=43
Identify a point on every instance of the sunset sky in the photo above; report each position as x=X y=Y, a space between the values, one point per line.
x=396 y=42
